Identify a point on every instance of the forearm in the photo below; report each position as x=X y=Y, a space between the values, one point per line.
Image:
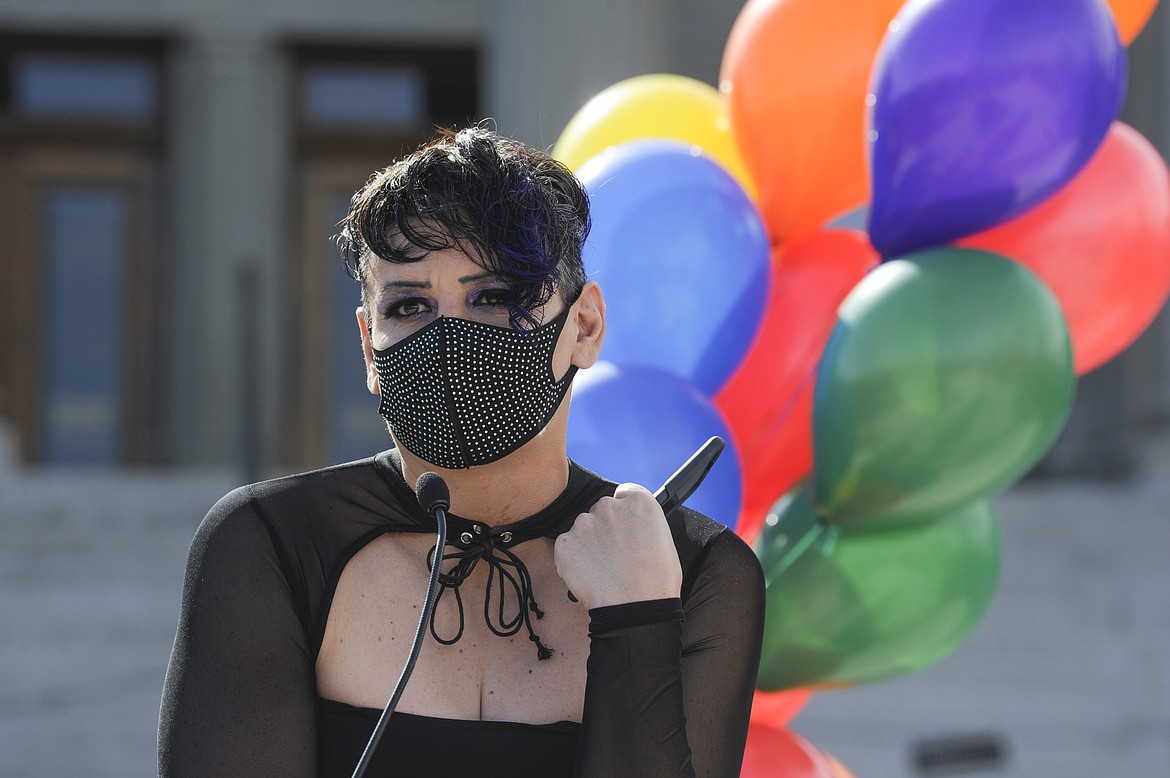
x=634 y=721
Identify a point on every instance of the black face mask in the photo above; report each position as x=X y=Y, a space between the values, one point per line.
x=458 y=393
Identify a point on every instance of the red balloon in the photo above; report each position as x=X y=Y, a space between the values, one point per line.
x=776 y=709
x=781 y=753
x=787 y=459
x=1101 y=244
x=768 y=400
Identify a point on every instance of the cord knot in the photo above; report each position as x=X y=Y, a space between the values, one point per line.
x=506 y=573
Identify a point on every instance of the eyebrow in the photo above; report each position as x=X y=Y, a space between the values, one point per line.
x=487 y=274
x=405 y=284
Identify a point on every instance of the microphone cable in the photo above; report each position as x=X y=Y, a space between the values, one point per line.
x=435 y=498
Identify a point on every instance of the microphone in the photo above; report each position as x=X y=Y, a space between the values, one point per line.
x=433 y=494
x=435 y=498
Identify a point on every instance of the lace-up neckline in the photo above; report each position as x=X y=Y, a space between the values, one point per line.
x=471 y=542
x=506 y=573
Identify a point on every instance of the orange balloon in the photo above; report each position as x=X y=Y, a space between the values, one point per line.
x=1101 y=244
x=1131 y=16
x=781 y=753
x=767 y=402
x=776 y=709
x=796 y=73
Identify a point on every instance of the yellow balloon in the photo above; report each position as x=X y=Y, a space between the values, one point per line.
x=661 y=105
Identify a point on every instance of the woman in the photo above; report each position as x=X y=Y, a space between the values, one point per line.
x=302 y=593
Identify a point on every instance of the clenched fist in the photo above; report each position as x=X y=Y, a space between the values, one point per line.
x=620 y=551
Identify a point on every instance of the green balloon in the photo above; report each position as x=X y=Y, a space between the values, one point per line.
x=948 y=375
x=850 y=606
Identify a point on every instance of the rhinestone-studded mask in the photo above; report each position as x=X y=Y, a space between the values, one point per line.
x=459 y=393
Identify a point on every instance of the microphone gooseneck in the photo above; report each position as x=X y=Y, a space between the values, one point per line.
x=435 y=498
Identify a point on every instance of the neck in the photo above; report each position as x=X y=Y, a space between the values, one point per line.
x=509 y=489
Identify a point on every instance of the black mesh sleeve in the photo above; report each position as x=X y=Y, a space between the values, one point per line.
x=240 y=694
x=672 y=698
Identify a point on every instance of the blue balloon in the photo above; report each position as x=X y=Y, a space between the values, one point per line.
x=681 y=255
x=637 y=423
x=983 y=108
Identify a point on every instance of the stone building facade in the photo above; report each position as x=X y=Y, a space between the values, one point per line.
x=171 y=173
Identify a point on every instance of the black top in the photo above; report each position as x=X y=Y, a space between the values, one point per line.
x=452 y=748
x=663 y=696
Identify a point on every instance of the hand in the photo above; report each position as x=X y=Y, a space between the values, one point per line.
x=620 y=551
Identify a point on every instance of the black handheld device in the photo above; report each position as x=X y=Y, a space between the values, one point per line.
x=684 y=481
x=687 y=478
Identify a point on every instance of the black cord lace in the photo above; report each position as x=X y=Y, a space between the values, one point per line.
x=505 y=569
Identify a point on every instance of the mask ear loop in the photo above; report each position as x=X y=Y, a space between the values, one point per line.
x=559 y=326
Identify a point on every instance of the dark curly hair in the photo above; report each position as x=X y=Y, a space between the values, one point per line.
x=516 y=210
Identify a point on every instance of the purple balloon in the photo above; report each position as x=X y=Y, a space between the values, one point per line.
x=681 y=255
x=638 y=423
x=983 y=108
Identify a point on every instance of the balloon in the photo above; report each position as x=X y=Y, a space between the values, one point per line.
x=1101 y=244
x=776 y=709
x=795 y=72
x=854 y=606
x=837 y=769
x=638 y=423
x=781 y=753
x=768 y=400
x=948 y=375
x=654 y=106
x=789 y=455
x=1131 y=16
x=982 y=108
x=681 y=256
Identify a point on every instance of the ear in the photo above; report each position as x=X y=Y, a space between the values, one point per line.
x=368 y=352
x=590 y=325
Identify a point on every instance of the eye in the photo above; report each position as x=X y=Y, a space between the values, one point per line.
x=495 y=297
x=406 y=308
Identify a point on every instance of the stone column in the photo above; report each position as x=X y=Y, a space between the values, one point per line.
x=229 y=139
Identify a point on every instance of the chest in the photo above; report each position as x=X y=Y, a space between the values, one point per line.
x=480 y=676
